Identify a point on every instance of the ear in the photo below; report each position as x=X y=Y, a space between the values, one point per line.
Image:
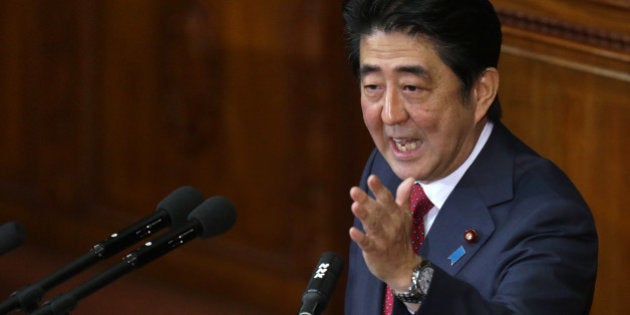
x=485 y=91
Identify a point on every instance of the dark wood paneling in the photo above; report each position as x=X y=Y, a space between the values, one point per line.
x=107 y=106
x=565 y=89
x=111 y=105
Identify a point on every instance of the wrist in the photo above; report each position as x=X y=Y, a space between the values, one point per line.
x=403 y=279
x=421 y=277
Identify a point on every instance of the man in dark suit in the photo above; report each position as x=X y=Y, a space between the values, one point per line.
x=503 y=230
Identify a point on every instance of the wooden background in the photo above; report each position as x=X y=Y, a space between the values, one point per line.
x=107 y=106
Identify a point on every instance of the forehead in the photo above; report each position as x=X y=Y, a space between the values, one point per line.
x=391 y=50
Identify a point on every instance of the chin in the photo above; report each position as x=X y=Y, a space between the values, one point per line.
x=404 y=172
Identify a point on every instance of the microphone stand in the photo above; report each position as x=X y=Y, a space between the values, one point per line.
x=172 y=210
x=27 y=298
x=66 y=302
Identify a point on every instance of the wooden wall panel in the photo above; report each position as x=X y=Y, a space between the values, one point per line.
x=111 y=105
x=107 y=106
x=565 y=90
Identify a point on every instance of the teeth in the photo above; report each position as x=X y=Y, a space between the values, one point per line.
x=404 y=147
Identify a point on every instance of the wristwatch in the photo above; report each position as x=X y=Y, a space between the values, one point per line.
x=420 y=282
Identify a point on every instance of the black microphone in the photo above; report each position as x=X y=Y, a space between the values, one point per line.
x=214 y=216
x=171 y=211
x=322 y=283
x=11 y=236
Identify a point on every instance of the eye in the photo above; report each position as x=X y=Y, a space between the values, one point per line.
x=412 y=88
x=371 y=90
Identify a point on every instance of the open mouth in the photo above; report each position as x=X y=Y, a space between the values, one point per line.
x=404 y=145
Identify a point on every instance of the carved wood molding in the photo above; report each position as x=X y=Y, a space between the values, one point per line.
x=624 y=4
x=574 y=32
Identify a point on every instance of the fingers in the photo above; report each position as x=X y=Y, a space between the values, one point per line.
x=382 y=217
x=360 y=201
x=404 y=192
x=359 y=237
x=370 y=211
x=363 y=204
x=381 y=193
x=386 y=222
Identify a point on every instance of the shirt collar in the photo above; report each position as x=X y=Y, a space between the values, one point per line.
x=439 y=190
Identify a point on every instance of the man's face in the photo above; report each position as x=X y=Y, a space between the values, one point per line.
x=413 y=108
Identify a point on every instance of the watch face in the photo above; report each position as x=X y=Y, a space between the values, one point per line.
x=424 y=279
x=420 y=282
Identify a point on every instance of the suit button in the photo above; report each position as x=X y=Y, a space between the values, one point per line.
x=470 y=235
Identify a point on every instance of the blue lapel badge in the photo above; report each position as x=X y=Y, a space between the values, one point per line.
x=457 y=254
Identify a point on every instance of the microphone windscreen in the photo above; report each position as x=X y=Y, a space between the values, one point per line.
x=179 y=203
x=216 y=216
x=326 y=274
x=11 y=236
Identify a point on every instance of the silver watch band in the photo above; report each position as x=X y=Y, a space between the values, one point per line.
x=420 y=281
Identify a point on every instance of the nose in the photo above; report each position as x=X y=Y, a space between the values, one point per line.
x=394 y=111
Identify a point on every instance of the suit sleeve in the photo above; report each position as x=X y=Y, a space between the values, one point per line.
x=449 y=295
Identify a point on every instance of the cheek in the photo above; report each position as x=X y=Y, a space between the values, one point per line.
x=428 y=122
x=371 y=115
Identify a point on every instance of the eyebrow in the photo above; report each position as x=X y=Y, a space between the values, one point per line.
x=415 y=70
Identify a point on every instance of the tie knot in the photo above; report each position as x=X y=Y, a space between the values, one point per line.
x=419 y=202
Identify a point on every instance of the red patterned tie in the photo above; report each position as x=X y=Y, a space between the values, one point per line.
x=420 y=205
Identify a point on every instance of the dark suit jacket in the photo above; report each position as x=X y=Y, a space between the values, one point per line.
x=536 y=251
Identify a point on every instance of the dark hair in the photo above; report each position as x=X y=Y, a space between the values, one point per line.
x=466 y=33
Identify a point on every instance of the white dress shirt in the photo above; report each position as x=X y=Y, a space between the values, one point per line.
x=439 y=190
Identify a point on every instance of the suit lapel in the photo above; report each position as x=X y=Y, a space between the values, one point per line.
x=445 y=245
x=487 y=182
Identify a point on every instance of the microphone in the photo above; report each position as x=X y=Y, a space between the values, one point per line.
x=214 y=216
x=172 y=210
x=322 y=283
x=11 y=236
